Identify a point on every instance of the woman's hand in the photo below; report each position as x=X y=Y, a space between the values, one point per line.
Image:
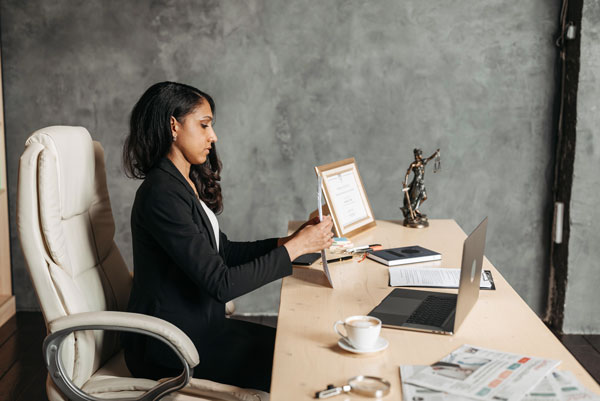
x=284 y=240
x=310 y=238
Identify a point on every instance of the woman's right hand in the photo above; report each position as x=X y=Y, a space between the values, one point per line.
x=312 y=238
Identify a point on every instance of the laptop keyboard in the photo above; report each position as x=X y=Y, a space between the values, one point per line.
x=433 y=311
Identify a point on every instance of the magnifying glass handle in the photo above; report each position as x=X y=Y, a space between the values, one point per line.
x=332 y=391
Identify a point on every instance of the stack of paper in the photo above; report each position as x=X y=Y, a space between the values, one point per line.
x=483 y=374
x=433 y=277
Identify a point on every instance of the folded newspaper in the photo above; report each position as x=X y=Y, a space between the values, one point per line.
x=484 y=374
x=556 y=386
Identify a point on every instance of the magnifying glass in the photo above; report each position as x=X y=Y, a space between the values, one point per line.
x=369 y=386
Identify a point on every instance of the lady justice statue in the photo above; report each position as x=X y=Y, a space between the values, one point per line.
x=415 y=194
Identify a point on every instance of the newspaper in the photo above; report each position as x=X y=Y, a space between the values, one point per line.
x=484 y=374
x=560 y=386
x=431 y=277
x=556 y=386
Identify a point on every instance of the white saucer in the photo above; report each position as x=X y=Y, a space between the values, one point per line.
x=380 y=345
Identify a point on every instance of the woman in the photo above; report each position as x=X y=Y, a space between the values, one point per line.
x=185 y=268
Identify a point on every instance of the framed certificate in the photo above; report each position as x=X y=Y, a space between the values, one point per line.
x=346 y=197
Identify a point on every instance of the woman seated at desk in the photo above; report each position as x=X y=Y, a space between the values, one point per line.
x=185 y=268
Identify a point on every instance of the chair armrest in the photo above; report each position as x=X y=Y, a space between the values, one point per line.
x=137 y=321
x=229 y=308
x=159 y=329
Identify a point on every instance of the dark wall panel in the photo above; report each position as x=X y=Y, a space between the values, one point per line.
x=582 y=295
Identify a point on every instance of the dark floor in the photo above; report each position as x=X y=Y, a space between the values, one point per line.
x=23 y=374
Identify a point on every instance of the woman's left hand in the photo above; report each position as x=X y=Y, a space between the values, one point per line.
x=312 y=238
x=311 y=222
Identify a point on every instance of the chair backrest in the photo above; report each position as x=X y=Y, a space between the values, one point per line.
x=66 y=229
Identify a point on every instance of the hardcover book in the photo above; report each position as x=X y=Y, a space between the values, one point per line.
x=404 y=255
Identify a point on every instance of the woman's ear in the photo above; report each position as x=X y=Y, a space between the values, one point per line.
x=174 y=125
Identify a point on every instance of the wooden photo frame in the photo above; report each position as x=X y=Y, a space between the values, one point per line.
x=346 y=197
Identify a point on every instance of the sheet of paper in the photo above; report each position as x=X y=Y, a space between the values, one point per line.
x=429 y=277
x=320 y=207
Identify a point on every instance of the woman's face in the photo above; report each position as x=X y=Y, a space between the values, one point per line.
x=194 y=135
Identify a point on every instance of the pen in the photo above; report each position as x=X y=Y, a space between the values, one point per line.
x=365 y=248
x=358 y=248
x=340 y=259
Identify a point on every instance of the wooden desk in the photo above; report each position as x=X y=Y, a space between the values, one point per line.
x=307 y=356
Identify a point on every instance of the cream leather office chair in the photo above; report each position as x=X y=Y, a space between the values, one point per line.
x=66 y=229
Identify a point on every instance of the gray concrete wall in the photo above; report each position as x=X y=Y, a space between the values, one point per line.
x=582 y=295
x=302 y=83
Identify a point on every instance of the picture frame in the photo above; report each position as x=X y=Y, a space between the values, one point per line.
x=346 y=198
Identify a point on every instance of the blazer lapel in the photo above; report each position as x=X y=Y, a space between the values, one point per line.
x=166 y=165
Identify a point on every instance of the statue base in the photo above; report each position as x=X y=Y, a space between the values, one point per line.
x=416 y=223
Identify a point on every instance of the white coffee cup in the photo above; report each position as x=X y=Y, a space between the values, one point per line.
x=362 y=332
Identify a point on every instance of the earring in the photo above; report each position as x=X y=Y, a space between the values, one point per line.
x=174 y=138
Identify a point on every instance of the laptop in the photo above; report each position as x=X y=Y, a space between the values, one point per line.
x=437 y=312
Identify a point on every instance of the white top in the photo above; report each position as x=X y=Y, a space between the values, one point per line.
x=213 y=221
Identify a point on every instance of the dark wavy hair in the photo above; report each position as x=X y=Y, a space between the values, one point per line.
x=150 y=137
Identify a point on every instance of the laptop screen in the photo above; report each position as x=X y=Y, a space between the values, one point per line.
x=470 y=273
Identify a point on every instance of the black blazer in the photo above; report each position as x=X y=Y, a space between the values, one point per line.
x=179 y=275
